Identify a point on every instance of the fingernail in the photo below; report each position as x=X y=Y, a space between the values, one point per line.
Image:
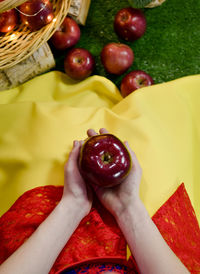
x=75 y=144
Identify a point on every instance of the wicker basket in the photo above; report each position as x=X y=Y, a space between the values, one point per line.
x=10 y=4
x=19 y=44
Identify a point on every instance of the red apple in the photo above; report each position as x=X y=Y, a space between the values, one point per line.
x=130 y=24
x=104 y=160
x=67 y=35
x=134 y=80
x=116 y=58
x=79 y=63
x=8 y=20
x=36 y=13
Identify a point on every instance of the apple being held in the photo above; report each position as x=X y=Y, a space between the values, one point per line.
x=79 y=63
x=116 y=58
x=134 y=80
x=36 y=13
x=104 y=160
x=67 y=35
x=130 y=24
x=8 y=20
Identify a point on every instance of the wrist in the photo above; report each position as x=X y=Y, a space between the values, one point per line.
x=135 y=212
x=74 y=206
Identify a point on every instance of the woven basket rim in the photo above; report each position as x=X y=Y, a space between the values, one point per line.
x=10 y=4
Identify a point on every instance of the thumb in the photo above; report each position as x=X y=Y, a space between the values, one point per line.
x=73 y=156
x=75 y=151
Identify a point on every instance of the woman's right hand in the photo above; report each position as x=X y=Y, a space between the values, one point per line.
x=119 y=198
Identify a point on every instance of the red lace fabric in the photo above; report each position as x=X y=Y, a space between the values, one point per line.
x=98 y=238
x=177 y=222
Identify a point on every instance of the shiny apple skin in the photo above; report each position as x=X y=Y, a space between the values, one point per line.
x=117 y=58
x=134 y=80
x=100 y=172
x=79 y=63
x=44 y=17
x=8 y=20
x=67 y=35
x=130 y=24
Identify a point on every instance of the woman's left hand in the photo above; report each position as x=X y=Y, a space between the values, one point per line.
x=75 y=189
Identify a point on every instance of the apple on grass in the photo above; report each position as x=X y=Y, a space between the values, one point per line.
x=8 y=20
x=116 y=58
x=36 y=13
x=67 y=35
x=104 y=160
x=79 y=63
x=130 y=24
x=134 y=80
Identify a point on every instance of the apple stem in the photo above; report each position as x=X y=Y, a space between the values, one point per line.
x=106 y=158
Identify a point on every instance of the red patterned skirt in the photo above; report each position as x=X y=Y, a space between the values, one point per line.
x=98 y=241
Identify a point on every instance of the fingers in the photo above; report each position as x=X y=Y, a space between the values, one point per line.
x=103 y=131
x=81 y=142
x=133 y=157
x=73 y=156
x=129 y=149
x=75 y=151
x=92 y=132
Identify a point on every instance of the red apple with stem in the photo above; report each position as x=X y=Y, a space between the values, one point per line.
x=104 y=160
x=79 y=63
x=116 y=58
x=36 y=13
x=8 y=20
x=130 y=24
x=67 y=35
x=134 y=80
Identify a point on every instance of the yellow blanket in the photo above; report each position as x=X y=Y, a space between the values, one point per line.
x=40 y=119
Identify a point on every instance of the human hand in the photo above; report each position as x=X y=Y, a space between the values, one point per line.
x=75 y=188
x=117 y=199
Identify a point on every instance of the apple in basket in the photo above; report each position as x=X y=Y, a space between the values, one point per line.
x=116 y=58
x=36 y=13
x=8 y=20
x=79 y=63
x=104 y=160
x=134 y=80
x=67 y=35
x=130 y=24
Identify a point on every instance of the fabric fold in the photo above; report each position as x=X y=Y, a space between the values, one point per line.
x=41 y=118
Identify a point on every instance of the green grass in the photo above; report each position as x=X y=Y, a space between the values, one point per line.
x=169 y=49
